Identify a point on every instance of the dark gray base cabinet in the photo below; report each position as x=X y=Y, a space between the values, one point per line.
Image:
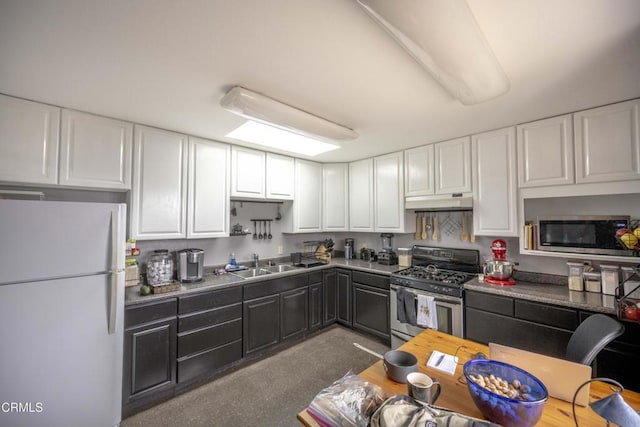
x=273 y=311
x=371 y=297
x=149 y=365
x=209 y=332
x=315 y=301
x=344 y=297
x=329 y=297
x=621 y=358
x=531 y=326
x=261 y=323
x=546 y=329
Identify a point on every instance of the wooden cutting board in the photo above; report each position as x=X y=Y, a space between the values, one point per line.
x=561 y=377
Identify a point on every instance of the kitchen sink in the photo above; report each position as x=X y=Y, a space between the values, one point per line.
x=252 y=272
x=280 y=268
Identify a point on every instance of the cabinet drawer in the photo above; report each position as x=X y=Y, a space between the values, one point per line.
x=209 y=300
x=274 y=286
x=194 y=366
x=374 y=280
x=488 y=302
x=214 y=336
x=203 y=319
x=149 y=312
x=560 y=317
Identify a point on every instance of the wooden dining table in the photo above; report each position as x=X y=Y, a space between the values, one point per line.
x=455 y=394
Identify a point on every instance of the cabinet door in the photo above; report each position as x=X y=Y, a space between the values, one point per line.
x=389 y=193
x=607 y=142
x=545 y=152
x=294 y=313
x=315 y=306
x=344 y=297
x=361 y=195
x=29 y=134
x=247 y=173
x=280 y=177
x=208 y=207
x=335 y=197
x=150 y=360
x=452 y=166
x=419 y=171
x=329 y=297
x=307 y=207
x=159 y=194
x=371 y=310
x=261 y=323
x=494 y=183
x=95 y=151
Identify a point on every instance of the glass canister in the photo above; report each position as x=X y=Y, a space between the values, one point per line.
x=160 y=267
x=404 y=257
x=610 y=278
x=631 y=280
x=592 y=281
x=575 y=276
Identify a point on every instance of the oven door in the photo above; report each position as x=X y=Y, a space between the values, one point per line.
x=449 y=312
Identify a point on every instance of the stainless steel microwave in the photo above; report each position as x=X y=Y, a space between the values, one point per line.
x=595 y=234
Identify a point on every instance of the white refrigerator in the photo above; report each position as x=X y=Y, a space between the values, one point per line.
x=61 y=313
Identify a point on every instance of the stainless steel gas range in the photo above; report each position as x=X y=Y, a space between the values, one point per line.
x=435 y=279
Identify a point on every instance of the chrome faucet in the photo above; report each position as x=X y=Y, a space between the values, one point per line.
x=256 y=260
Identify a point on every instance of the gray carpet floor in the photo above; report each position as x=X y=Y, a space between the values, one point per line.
x=269 y=392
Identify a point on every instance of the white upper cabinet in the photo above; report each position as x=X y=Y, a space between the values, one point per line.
x=494 y=183
x=158 y=196
x=452 y=166
x=208 y=194
x=305 y=213
x=545 y=152
x=29 y=136
x=95 y=151
x=280 y=177
x=361 y=199
x=389 y=192
x=335 y=197
x=247 y=173
x=419 y=171
x=607 y=143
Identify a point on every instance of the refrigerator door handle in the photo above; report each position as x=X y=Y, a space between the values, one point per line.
x=113 y=282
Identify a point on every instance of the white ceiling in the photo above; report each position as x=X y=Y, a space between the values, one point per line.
x=167 y=63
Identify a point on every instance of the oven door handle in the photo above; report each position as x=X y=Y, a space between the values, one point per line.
x=436 y=297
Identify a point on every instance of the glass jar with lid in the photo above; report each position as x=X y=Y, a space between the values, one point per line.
x=160 y=267
x=575 y=276
x=592 y=281
x=610 y=278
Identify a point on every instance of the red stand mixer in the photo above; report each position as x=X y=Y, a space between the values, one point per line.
x=498 y=271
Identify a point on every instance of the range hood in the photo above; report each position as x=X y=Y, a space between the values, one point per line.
x=444 y=202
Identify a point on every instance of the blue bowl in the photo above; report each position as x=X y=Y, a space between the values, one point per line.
x=509 y=412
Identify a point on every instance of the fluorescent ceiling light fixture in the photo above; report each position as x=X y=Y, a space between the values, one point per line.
x=270 y=136
x=261 y=108
x=444 y=37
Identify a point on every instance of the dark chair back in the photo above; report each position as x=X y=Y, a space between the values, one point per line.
x=591 y=336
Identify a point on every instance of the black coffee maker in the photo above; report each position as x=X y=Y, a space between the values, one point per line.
x=367 y=254
x=387 y=256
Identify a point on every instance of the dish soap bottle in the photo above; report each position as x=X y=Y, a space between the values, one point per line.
x=232 y=260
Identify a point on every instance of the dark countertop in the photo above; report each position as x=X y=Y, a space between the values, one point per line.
x=531 y=290
x=550 y=294
x=211 y=281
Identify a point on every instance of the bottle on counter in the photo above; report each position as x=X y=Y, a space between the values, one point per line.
x=232 y=260
x=576 y=270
